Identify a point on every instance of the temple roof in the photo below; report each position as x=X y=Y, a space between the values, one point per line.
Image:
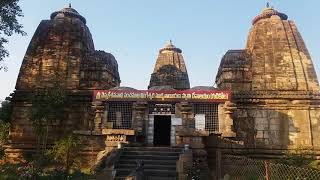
x=161 y=88
x=100 y=60
x=124 y=88
x=68 y=11
x=267 y=13
x=170 y=47
x=170 y=69
x=203 y=88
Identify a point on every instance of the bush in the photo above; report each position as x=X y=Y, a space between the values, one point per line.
x=6 y=110
x=4 y=136
x=47 y=107
x=28 y=171
x=315 y=164
x=9 y=171
x=66 y=152
x=300 y=158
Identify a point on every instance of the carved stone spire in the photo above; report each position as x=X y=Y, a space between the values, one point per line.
x=280 y=59
x=170 y=70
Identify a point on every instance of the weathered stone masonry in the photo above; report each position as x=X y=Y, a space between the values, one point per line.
x=274 y=84
x=62 y=53
x=275 y=101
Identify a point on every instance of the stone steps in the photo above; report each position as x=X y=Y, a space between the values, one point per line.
x=148 y=172
x=150 y=157
x=159 y=162
x=148 y=166
x=147 y=162
x=151 y=153
x=158 y=149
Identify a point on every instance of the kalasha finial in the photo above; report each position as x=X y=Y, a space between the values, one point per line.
x=268 y=4
x=170 y=42
x=69 y=5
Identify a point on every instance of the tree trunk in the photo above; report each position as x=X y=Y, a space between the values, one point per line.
x=67 y=163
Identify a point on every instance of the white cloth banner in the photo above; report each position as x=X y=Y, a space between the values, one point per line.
x=200 y=121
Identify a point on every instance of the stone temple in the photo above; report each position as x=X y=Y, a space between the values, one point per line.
x=61 y=51
x=266 y=101
x=274 y=84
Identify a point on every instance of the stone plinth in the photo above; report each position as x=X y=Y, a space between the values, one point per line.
x=190 y=136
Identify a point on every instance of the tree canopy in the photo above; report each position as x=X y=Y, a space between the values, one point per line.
x=6 y=110
x=9 y=25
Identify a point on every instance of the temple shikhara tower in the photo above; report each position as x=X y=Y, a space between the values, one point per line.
x=274 y=85
x=170 y=70
x=266 y=101
x=61 y=53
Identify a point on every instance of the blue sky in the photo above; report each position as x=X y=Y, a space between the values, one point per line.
x=134 y=31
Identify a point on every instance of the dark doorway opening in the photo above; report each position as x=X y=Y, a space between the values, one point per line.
x=162 y=128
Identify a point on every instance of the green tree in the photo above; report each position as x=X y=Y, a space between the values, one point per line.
x=6 y=110
x=5 y=118
x=48 y=105
x=9 y=12
x=4 y=132
x=4 y=136
x=66 y=151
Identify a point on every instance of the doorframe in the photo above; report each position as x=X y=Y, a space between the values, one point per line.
x=150 y=129
x=166 y=121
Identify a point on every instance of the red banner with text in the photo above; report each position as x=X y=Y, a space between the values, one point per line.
x=162 y=95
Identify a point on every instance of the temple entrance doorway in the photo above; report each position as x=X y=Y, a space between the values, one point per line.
x=162 y=129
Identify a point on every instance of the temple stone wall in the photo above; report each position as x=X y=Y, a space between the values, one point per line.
x=278 y=127
x=315 y=125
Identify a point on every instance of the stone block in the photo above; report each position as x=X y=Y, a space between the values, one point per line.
x=114 y=143
x=273 y=114
x=118 y=131
x=260 y=120
x=275 y=121
x=266 y=134
x=242 y=113
x=257 y=113
x=261 y=126
x=274 y=127
x=259 y=134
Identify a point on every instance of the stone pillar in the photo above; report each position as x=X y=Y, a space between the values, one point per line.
x=226 y=121
x=186 y=114
x=98 y=108
x=138 y=122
